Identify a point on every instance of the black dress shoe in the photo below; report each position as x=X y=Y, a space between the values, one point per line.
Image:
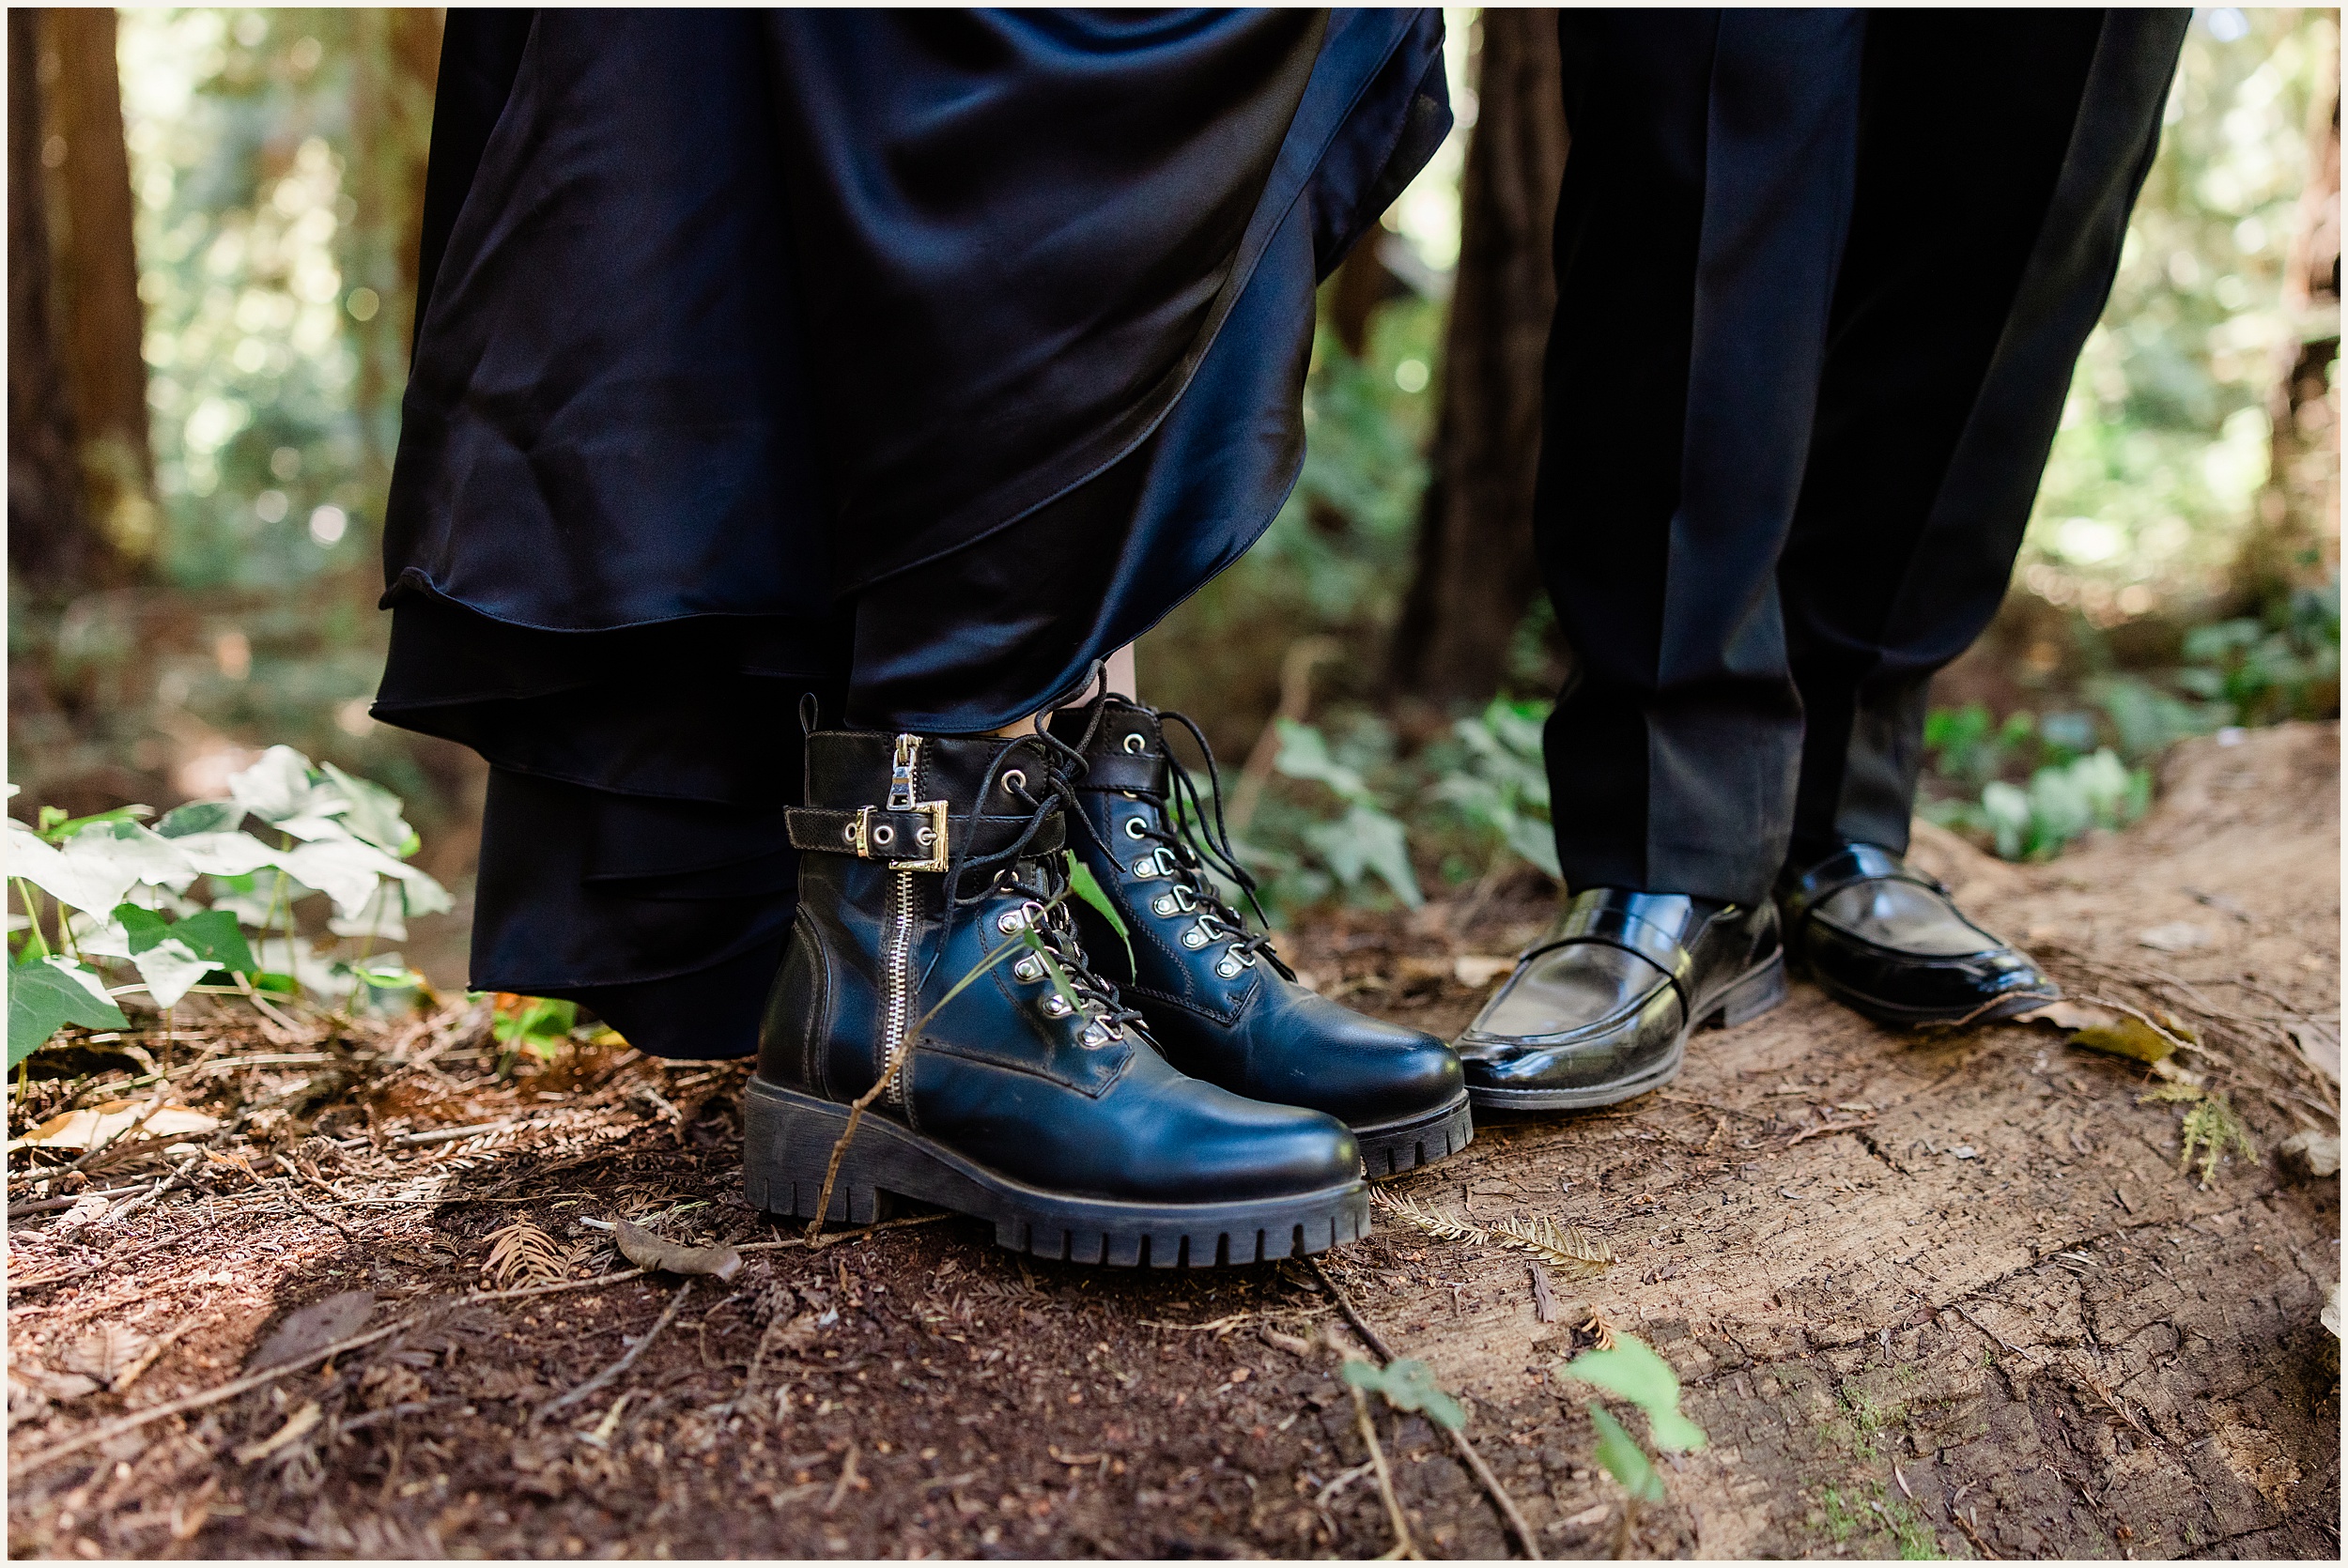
x=1888 y=941
x=1218 y=1000
x=1600 y=1009
x=1030 y=1095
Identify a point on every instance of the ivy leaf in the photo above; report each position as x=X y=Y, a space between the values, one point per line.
x=1087 y=886
x=45 y=996
x=170 y=968
x=213 y=935
x=1408 y=1385
x=200 y=816
x=57 y=827
x=1623 y=1459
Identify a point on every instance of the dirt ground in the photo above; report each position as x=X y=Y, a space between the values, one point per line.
x=1929 y=1295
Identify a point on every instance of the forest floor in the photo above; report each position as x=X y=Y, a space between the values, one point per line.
x=1930 y=1295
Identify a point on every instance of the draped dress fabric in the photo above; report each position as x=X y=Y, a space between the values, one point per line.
x=910 y=358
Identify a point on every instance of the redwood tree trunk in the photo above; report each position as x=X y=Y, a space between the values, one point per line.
x=1476 y=571
x=48 y=543
x=100 y=320
x=2294 y=540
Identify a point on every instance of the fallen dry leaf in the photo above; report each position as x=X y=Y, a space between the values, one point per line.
x=99 y=1124
x=643 y=1249
x=2066 y=1015
x=106 y=1352
x=2310 y=1154
x=2131 y=1037
x=313 y=1328
x=2320 y=1046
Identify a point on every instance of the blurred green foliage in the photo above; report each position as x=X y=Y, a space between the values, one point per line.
x=2165 y=437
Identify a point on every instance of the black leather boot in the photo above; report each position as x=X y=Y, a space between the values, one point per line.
x=1600 y=1009
x=1030 y=1097
x=1884 y=939
x=1220 y=1002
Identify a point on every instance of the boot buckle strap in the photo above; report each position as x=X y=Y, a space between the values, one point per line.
x=878 y=840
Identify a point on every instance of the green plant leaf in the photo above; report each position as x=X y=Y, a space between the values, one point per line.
x=1632 y=1371
x=374 y=814
x=213 y=934
x=57 y=827
x=1088 y=887
x=542 y=1020
x=1674 y=1432
x=45 y=996
x=1408 y=1385
x=1621 y=1457
x=200 y=816
x=143 y=927
x=1058 y=976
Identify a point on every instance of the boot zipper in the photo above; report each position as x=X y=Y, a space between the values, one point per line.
x=904 y=786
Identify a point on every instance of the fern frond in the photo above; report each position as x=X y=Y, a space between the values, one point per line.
x=1575 y=1251
x=522 y=1252
x=1571 y=1248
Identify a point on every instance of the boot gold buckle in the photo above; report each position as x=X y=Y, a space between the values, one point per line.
x=864 y=835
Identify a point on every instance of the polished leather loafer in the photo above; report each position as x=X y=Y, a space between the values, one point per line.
x=1886 y=940
x=1600 y=1009
x=1216 y=997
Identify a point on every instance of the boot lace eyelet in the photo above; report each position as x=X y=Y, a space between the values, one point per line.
x=1164 y=904
x=1012 y=781
x=1134 y=826
x=1056 y=1005
x=1136 y=743
x=1029 y=969
x=1012 y=921
x=1229 y=969
x=1195 y=938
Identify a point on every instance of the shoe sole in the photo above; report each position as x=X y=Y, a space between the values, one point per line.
x=1894 y=1016
x=789 y=1136
x=1393 y=1147
x=1745 y=998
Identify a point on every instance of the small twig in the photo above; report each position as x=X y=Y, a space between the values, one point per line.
x=834 y=1239
x=847 y=1479
x=863 y=1103
x=1459 y=1444
x=1402 y=1545
x=19 y=1288
x=1828 y=1129
x=1973 y=1535
x=619 y=1367
x=302 y=1204
x=2007 y=999
x=154 y=1351
x=50 y=1205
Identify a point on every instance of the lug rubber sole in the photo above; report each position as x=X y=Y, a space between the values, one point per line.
x=788 y=1138
x=1405 y=1146
x=1745 y=998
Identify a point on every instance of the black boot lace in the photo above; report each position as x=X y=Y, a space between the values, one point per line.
x=1039 y=881
x=1196 y=849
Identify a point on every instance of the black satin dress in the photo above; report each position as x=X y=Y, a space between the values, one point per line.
x=912 y=359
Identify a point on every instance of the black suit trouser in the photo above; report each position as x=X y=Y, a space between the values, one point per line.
x=1822 y=278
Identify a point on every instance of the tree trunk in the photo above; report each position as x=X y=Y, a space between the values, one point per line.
x=100 y=316
x=398 y=59
x=2295 y=541
x=1476 y=572
x=48 y=543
